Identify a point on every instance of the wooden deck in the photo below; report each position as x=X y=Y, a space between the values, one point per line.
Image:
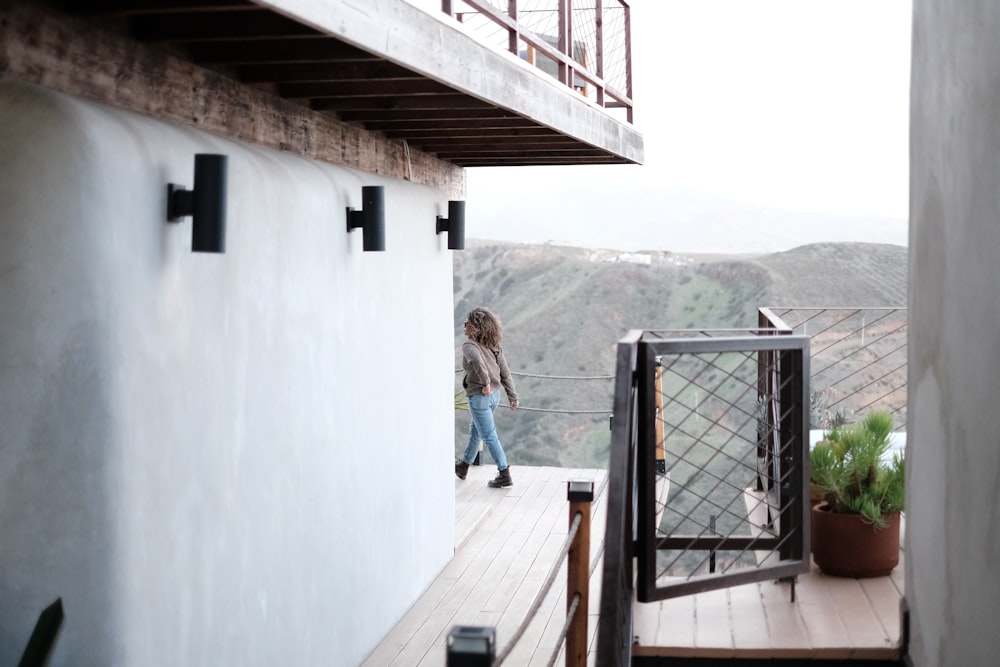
x=508 y=539
x=831 y=618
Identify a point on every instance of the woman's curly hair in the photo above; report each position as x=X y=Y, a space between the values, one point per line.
x=485 y=327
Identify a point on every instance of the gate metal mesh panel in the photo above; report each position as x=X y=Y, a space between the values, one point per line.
x=710 y=430
x=726 y=445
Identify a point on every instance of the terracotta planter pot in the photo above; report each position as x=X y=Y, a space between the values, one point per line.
x=843 y=545
x=815 y=495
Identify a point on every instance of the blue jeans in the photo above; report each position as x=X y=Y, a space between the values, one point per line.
x=481 y=427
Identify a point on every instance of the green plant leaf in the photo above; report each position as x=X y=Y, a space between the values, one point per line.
x=852 y=473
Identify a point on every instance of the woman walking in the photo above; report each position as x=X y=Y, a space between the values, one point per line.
x=485 y=372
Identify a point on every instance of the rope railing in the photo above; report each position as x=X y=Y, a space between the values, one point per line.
x=469 y=645
x=561 y=411
x=543 y=592
x=556 y=377
x=570 y=615
x=564 y=377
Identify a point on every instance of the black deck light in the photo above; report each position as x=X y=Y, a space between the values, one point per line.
x=580 y=490
x=206 y=203
x=471 y=646
x=371 y=217
x=454 y=224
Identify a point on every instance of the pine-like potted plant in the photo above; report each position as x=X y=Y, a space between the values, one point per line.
x=856 y=527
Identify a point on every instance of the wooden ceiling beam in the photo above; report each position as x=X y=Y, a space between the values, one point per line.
x=215 y=26
x=136 y=7
x=461 y=142
x=311 y=72
x=278 y=51
x=449 y=125
x=387 y=88
x=440 y=115
x=532 y=161
x=511 y=151
x=449 y=101
x=449 y=133
x=488 y=148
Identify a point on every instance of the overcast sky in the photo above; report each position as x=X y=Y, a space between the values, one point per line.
x=800 y=105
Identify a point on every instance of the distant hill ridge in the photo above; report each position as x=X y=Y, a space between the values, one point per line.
x=563 y=308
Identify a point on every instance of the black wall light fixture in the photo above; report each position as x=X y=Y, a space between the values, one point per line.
x=454 y=224
x=206 y=204
x=371 y=217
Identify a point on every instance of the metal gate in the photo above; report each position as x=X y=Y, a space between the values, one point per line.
x=721 y=450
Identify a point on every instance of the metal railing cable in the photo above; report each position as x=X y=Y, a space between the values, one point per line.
x=597 y=64
x=543 y=592
x=857 y=359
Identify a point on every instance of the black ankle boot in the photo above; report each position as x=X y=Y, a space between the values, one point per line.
x=502 y=479
x=461 y=469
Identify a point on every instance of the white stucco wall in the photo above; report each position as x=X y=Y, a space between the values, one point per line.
x=238 y=459
x=953 y=458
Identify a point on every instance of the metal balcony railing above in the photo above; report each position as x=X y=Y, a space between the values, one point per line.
x=585 y=44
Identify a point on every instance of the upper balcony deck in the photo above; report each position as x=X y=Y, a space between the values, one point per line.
x=423 y=79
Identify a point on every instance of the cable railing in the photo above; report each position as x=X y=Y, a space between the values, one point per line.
x=858 y=360
x=584 y=44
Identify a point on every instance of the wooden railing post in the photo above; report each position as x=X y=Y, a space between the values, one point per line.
x=580 y=494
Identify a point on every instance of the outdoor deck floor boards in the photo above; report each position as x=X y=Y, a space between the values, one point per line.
x=508 y=539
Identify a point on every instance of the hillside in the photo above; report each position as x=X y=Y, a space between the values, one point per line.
x=564 y=308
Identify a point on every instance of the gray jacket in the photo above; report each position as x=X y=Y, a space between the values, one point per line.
x=481 y=365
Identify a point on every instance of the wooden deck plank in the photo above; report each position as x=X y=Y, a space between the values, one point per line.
x=784 y=624
x=862 y=625
x=495 y=565
x=824 y=626
x=503 y=581
x=470 y=521
x=665 y=623
x=882 y=596
x=517 y=612
x=420 y=643
x=511 y=621
x=711 y=618
x=556 y=616
x=645 y=621
x=747 y=618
